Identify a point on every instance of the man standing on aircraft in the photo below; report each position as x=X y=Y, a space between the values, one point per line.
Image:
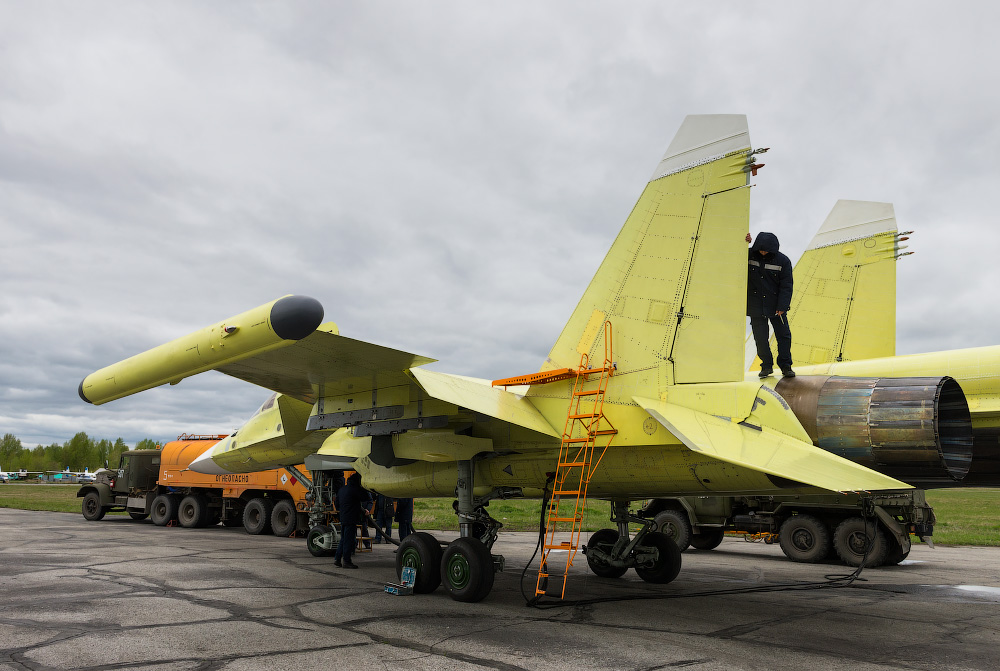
x=769 y=295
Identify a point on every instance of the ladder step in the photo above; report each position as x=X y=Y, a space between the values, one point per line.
x=567 y=492
x=559 y=546
x=595 y=392
x=589 y=415
x=566 y=519
x=576 y=440
x=604 y=432
x=571 y=464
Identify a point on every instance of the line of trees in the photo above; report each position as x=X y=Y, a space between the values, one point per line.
x=78 y=453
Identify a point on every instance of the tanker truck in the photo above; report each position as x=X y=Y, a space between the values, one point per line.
x=157 y=484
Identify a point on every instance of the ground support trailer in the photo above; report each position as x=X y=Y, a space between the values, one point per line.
x=158 y=484
x=808 y=528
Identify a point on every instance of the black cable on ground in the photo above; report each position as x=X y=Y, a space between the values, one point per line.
x=546 y=494
x=830 y=581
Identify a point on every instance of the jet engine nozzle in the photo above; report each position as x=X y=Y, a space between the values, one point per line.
x=911 y=428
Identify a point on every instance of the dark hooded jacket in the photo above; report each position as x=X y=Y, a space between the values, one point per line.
x=769 y=283
x=351 y=498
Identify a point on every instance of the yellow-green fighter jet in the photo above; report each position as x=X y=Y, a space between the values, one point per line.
x=643 y=395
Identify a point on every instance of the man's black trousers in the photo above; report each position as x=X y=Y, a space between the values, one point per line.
x=782 y=336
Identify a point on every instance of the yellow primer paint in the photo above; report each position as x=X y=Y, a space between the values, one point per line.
x=765 y=450
x=200 y=351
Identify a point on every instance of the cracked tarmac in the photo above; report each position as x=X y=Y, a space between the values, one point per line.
x=118 y=594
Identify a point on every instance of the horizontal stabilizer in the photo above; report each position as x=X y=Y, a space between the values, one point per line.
x=482 y=397
x=766 y=451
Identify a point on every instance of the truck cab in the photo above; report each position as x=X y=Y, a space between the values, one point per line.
x=131 y=487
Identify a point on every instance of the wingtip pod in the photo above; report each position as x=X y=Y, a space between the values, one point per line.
x=702 y=138
x=263 y=328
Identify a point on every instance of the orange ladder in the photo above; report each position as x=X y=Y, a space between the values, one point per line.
x=586 y=430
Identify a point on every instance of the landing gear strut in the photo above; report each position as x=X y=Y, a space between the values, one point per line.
x=654 y=555
x=466 y=566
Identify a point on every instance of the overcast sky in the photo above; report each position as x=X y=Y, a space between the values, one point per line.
x=444 y=177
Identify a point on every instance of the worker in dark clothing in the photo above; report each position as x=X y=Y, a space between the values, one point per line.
x=350 y=500
x=404 y=517
x=384 y=510
x=769 y=295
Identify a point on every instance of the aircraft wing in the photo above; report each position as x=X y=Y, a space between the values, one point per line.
x=327 y=362
x=764 y=450
x=280 y=346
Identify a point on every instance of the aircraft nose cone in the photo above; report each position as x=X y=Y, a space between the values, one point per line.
x=206 y=465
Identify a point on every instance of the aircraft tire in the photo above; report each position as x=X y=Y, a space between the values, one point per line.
x=421 y=551
x=257 y=516
x=192 y=511
x=804 y=538
x=92 y=508
x=605 y=537
x=675 y=524
x=138 y=517
x=708 y=539
x=668 y=560
x=467 y=570
x=283 y=519
x=163 y=510
x=851 y=537
x=313 y=543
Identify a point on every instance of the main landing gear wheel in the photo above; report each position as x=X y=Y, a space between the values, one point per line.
x=708 y=539
x=421 y=551
x=322 y=541
x=467 y=570
x=668 y=559
x=604 y=539
x=852 y=537
x=675 y=525
x=804 y=538
x=92 y=509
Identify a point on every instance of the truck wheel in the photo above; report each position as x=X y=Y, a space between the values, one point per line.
x=853 y=536
x=804 y=538
x=283 y=520
x=163 y=510
x=421 y=551
x=605 y=539
x=895 y=553
x=138 y=517
x=676 y=526
x=257 y=516
x=708 y=539
x=320 y=536
x=668 y=559
x=191 y=513
x=92 y=509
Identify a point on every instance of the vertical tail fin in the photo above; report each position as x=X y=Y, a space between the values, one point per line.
x=674 y=281
x=844 y=307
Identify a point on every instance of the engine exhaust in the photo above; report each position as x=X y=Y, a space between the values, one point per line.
x=912 y=428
